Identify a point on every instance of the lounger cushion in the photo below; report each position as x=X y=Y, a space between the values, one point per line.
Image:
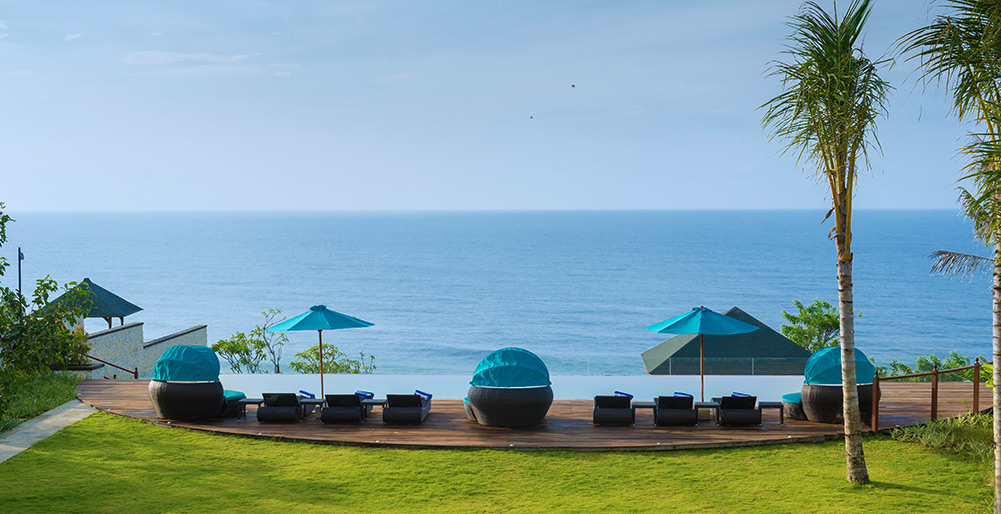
x=738 y=402
x=675 y=402
x=613 y=402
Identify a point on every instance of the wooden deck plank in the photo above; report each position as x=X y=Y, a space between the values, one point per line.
x=568 y=424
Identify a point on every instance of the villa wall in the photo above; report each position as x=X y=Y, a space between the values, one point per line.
x=152 y=350
x=118 y=345
x=124 y=346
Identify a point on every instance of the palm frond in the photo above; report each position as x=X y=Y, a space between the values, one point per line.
x=832 y=94
x=963 y=265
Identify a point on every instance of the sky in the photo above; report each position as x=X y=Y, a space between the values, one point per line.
x=431 y=105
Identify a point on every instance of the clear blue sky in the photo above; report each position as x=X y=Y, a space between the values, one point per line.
x=237 y=105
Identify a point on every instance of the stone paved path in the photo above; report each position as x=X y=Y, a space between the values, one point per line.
x=35 y=429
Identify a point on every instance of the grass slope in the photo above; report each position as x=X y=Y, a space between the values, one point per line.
x=37 y=395
x=110 y=464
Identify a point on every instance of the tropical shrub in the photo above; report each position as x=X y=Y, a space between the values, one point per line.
x=968 y=435
x=36 y=334
x=245 y=352
x=926 y=364
x=334 y=361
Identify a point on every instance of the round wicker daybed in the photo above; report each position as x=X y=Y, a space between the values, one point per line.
x=185 y=385
x=510 y=388
x=822 y=389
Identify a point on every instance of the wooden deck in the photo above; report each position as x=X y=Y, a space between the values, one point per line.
x=568 y=424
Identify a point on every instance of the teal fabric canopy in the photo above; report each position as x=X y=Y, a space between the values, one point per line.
x=704 y=321
x=511 y=367
x=319 y=317
x=824 y=367
x=187 y=363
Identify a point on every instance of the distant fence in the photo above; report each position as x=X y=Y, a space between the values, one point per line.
x=934 y=374
x=736 y=366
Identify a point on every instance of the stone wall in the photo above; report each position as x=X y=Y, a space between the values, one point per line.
x=152 y=350
x=124 y=346
x=119 y=345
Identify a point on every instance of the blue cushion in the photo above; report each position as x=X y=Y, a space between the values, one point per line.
x=735 y=393
x=307 y=394
x=793 y=398
x=620 y=393
x=232 y=396
x=426 y=396
x=365 y=394
x=679 y=393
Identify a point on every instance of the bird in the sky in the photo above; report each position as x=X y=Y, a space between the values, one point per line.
x=571 y=86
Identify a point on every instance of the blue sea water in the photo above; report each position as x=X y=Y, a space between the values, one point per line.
x=577 y=288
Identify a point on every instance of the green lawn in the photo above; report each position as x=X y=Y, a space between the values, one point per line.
x=36 y=395
x=111 y=464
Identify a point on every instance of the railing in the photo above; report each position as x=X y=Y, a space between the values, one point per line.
x=934 y=373
x=134 y=372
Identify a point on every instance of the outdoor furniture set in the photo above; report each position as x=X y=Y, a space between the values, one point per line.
x=681 y=409
x=341 y=408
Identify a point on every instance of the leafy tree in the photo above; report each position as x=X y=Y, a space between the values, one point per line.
x=271 y=343
x=816 y=325
x=35 y=334
x=244 y=354
x=334 y=361
x=961 y=49
x=832 y=96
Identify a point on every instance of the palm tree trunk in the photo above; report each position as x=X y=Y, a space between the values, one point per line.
x=997 y=378
x=855 y=468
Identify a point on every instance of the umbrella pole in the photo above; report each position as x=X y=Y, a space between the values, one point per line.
x=321 y=363
x=702 y=371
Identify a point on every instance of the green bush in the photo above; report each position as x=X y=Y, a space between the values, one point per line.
x=970 y=435
x=334 y=361
x=36 y=333
x=28 y=396
x=926 y=364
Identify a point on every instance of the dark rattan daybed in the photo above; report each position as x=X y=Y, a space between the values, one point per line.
x=185 y=385
x=510 y=388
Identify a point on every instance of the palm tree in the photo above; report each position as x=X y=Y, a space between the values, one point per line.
x=962 y=49
x=832 y=96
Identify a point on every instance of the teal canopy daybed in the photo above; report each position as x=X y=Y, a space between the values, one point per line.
x=822 y=396
x=510 y=388
x=186 y=386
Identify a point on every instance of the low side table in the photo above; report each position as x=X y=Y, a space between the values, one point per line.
x=774 y=405
x=248 y=401
x=713 y=406
x=644 y=405
x=312 y=403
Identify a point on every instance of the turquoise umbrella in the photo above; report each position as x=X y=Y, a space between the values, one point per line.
x=320 y=318
x=702 y=321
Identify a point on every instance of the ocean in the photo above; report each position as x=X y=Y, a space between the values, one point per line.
x=445 y=288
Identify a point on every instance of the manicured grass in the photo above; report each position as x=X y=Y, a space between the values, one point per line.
x=36 y=395
x=111 y=464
